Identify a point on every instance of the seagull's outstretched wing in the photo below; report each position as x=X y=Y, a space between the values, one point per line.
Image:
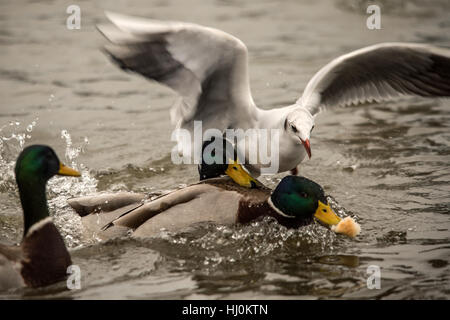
x=207 y=67
x=379 y=72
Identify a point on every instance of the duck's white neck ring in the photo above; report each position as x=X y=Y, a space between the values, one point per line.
x=38 y=225
x=281 y=213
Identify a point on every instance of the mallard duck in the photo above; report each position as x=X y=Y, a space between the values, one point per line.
x=219 y=157
x=42 y=257
x=293 y=203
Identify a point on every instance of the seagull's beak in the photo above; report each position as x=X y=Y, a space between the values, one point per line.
x=326 y=215
x=237 y=172
x=307 y=146
x=66 y=171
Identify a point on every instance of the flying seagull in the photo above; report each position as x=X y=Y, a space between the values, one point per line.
x=208 y=69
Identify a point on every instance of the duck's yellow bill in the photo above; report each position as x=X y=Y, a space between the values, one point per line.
x=66 y=171
x=236 y=172
x=326 y=215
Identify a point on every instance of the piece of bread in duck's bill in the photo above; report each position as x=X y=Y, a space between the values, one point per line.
x=347 y=226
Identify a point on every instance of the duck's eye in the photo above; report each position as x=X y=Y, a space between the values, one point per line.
x=235 y=168
x=303 y=195
x=324 y=210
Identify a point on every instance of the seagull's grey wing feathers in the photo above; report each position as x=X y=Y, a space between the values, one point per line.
x=380 y=72
x=207 y=67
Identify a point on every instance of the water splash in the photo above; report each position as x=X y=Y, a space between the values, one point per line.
x=12 y=140
x=223 y=245
x=13 y=137
x=62 y=188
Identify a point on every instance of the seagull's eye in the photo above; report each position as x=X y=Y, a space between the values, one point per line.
x=312 y=128
x=294 y=128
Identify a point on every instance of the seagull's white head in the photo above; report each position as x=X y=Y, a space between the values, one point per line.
x=299 y=125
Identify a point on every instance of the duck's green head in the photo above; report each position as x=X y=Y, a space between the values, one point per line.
x=300 y=198
x=35 y=165
x=219 y=158
x=39 y=162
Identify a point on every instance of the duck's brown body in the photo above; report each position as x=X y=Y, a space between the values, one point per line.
x=40 y=260
x=217 y=200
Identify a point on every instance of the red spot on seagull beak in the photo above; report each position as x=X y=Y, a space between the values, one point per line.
x=307 y=147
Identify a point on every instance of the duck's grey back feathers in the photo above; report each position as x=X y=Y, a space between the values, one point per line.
x=215 y=200
x=104 y=202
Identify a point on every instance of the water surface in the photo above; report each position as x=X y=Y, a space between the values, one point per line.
x=387 y=165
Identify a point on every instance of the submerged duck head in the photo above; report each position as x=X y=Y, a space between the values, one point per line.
x=302 y=199
x=35 y=165
x=219 y=158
